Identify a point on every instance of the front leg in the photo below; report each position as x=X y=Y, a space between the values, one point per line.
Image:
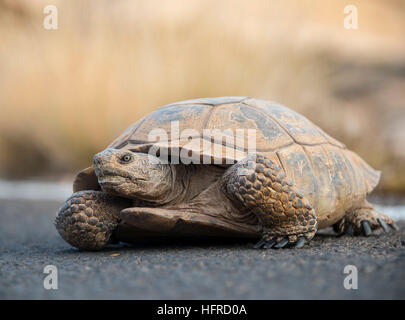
x=261 y=186
x=89 y=218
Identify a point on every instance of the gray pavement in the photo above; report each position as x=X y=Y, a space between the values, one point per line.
x=198 y=270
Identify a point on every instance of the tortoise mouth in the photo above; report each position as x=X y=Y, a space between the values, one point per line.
x=111 y=180
x=114 y=176
x=111 y=172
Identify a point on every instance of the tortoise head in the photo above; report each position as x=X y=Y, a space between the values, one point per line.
x=133 y=175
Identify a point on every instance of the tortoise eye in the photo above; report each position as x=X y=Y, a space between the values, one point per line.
x=126 y=158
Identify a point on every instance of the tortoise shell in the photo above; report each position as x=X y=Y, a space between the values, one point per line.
x=276 y=127
x=320 y=166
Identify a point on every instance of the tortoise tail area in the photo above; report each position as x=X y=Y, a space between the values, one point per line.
x=370 y=175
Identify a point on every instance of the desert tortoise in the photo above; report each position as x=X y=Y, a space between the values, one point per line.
x=168 y=175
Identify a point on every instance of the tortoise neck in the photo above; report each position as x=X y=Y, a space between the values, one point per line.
x=188 y=181
x=180 y=177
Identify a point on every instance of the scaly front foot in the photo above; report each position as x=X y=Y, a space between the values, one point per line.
x=88 y=219
x=261 y=186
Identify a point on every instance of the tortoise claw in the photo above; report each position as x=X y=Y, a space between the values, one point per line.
x=394 y=226
x=300 y=243
x=349 y=230
x=366 y=228
x=282 y=243
x=383 y=225
x=260 y=244
x=270 y=244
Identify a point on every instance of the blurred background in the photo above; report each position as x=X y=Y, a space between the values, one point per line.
x=65 y=94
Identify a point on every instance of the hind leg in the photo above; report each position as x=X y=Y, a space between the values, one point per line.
x=364 y=220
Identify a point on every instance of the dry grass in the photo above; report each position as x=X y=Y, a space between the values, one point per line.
x=66 y=94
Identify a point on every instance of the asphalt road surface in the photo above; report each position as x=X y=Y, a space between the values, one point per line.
x=198 y=270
